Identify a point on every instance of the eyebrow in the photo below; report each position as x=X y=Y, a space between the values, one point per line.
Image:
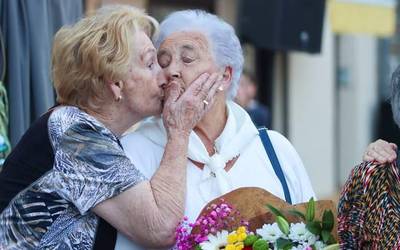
x=147 y=51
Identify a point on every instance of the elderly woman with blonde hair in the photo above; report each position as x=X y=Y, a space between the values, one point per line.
x=70 y=169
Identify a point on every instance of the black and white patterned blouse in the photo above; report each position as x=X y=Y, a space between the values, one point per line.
x=90 y=166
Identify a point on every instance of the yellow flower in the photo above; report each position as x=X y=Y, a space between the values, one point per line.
x=232 y=238
x=239 y=246
x=230 y=247
x=241 y=230
x=241 y=236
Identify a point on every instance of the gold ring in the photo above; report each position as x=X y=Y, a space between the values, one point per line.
x=205 y=102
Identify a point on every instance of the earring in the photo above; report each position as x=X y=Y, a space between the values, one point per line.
x=119 y=98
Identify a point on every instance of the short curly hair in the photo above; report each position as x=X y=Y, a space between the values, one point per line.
x=96 y=48
x=225 y=45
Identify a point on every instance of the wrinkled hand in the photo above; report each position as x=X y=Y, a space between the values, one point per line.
x=381 y=152
x=183 y=110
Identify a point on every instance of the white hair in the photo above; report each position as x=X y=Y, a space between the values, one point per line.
x=221 y=36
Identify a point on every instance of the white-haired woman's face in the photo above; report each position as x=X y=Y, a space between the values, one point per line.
x=186 y=55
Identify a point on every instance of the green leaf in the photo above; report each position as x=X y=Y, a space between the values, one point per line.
x=310 y=213
x=275 y=211
x=332 y=247
x=283 y=225
x=313 y=247
x=260 y=244
x=197 y=247
x=327 y=220
x=297 y=213
x=331 y=240
x=314 y=227
x=288 y=247
x=250 y=239
x=284 y=244
x=325 y=236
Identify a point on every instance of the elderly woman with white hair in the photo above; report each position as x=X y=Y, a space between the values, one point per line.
x=226 y=150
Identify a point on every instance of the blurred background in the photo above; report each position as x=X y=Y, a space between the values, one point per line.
x=317 y=71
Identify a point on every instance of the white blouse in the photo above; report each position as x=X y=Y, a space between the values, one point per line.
x=252 y=169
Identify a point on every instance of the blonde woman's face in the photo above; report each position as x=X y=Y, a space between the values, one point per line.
x=186 y=55
x=143 y=88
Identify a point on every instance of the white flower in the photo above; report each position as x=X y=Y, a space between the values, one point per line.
x=299 y=233
x=319 y=245
x=299 y=247
x=270 y=232
x=215 y=242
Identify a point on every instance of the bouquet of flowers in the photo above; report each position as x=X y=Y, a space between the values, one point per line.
x=222 y=225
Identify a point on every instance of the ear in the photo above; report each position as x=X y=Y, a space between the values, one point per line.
x=115 y=88
x=227 y=77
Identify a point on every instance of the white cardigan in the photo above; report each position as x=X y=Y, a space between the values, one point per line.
x=252 y=169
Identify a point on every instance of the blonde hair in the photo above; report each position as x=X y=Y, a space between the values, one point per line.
x=96 y=49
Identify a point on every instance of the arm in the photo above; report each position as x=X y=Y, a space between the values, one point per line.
x=150 y=211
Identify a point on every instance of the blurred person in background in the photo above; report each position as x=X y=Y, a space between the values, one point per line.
x=107 y=78
x=246 y=97
x=369 y=205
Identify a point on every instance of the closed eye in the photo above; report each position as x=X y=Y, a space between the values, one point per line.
x=164 y=59
x=187 y=59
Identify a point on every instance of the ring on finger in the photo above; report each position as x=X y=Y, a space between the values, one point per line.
x=205 y=102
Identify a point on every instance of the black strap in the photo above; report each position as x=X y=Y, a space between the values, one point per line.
x=274 y=161
x=106 y=236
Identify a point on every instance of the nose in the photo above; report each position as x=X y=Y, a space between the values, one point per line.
x=172 y=71
x=175 y=74
x=162 y=79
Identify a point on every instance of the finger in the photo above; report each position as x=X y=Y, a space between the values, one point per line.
x=386 y=149
x=196 y=86
x=172 y=93
x=389 y=151
x=377 y=157
x=367 y=158
x=386 y=156
x=214 y=78
x=212 y=92
x=205 y=89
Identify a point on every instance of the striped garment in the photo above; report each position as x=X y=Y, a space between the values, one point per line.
x=369 y=208
x=90 y=166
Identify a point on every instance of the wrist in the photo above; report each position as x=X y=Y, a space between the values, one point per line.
x=178 y=134
x=178 y=142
